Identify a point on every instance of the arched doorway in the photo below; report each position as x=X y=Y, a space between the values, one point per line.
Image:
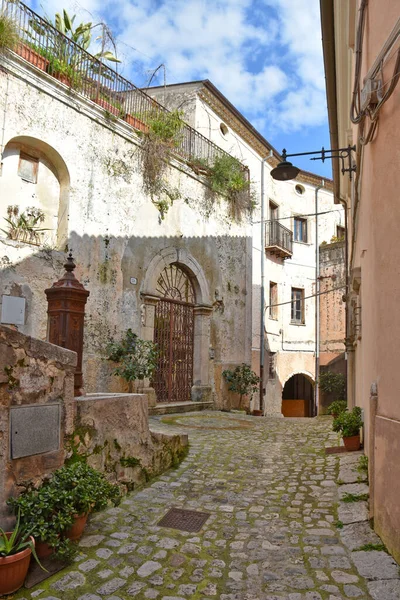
x=174 y=335
x=298 y=396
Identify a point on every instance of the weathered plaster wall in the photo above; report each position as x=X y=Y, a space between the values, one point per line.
x=332 y=306
x=33 y=373
x=115 y=230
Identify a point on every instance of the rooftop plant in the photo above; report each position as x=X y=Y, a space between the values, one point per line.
x=24 y=226
x=8 y=32
x=227 y=177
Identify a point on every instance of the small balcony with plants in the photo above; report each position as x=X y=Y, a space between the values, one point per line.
x=60 y=49
x=278 y=240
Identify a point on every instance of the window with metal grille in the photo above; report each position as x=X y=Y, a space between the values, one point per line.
x=300 y=230
x=271 y=369
x=340 y=232
x=297 y=315
x=273 y=300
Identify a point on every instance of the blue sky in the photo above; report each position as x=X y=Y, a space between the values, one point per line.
x=264 y=55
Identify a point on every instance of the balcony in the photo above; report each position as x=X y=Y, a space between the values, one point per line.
x=278 y=240
x=47 y=49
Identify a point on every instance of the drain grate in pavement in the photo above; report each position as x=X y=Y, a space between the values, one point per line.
x=185 y=520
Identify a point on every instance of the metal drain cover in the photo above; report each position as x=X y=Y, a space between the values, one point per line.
x=185 y=520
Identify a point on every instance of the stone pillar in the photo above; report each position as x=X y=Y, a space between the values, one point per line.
x=148 y=309
x=66 y=312
x=201 y=390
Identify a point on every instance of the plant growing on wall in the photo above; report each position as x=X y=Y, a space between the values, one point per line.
x=8 y=32
x=162 y=138
x=228 y=178
x=333 y=383
x=136 y=358
x=24 y=226
x=241 y=380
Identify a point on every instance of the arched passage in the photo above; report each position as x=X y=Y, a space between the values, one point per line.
x=298 y=396
x=186 y=304
x=35 y=175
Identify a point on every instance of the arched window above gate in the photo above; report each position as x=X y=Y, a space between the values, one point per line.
x=174 y=284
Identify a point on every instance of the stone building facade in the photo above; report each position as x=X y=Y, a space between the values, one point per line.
x=289 y=214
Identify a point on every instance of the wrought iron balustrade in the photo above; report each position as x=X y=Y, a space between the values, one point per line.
x=278 y=239
x=50 y=50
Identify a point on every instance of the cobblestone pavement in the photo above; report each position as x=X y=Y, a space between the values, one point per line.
x=272 y=533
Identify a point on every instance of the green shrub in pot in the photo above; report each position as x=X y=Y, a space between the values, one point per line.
x=349 y=423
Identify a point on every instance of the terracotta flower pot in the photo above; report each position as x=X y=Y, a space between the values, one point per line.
x=63 y=78
x=43 y=549
x=13 y=570
x=107 y=106
x=136 y=123
x=75 y=531
x=32 y=56
x=352 y=443
x=257 y=413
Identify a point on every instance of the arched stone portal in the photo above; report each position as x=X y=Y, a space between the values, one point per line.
x=188 y=301
x=298 y=396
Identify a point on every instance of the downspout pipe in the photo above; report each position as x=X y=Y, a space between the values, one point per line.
x=262 y=298
x=317 y=302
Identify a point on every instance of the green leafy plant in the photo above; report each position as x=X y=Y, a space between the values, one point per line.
x=362 y=466
x=17 y=541
x=137 y=358
x=348 y=498
x=348 y=423
x=24 y=226
x=333 y=383
x=49 y=511
x=337 y=407
x=335 y=239
x=241 y=380
x=371 y=547
x=339 y=525
x=229 y=178
x=164 y=134
x=8 y=32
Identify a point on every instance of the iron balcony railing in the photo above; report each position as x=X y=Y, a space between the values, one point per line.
x=48 y=49
x=278 y=236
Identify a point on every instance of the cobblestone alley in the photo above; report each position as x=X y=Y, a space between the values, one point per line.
x=273 y=533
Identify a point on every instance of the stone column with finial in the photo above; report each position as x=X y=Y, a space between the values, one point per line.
x=66 y=312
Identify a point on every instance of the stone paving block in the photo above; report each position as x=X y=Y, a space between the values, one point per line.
x=352 y=512
x=385 y=590
x=353 y=488
x=356 y=535
x=376 y=565
x=111 y=586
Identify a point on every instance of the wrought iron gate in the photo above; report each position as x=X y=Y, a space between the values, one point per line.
x=174 y=336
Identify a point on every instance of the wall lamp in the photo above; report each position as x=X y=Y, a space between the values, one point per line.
x=286 y=170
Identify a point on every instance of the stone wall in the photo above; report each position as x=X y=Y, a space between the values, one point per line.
x=36 y=391
x=112 y=433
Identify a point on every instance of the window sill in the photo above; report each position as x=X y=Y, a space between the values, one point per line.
x=302 y=243
x=272 y=318
x=297 y=323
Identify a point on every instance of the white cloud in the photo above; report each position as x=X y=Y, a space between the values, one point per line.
x=264 y=55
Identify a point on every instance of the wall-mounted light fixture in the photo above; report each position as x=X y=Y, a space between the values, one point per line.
x=286 y=170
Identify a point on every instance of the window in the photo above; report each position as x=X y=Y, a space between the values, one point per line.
x=273 y=300
x=300 y=230
x=273 y=211
x=299 y=189
x=271 y=366
x=297 y=306
x=28 y=167
x=340 y=232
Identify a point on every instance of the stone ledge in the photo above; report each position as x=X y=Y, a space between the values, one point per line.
x=179 y=407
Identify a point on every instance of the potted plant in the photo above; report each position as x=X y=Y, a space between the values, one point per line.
x=137 y=358
x=88 y=490
x=8 y=32
x=56 y=513
x=16 y=548
x=242 y=380
x=135 y=122
x=349 y=425
x=24 y=227
x=337 y=407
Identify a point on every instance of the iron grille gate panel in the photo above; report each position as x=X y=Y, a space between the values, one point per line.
x=174 y=336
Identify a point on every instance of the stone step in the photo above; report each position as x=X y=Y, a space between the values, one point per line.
x=168 y=408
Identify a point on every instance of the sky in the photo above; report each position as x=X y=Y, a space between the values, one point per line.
x=265 y=56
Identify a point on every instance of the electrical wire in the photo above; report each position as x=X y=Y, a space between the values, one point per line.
x=325 y=212
x=340 y=287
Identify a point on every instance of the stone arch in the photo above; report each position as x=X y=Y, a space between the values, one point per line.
x=186 y=262
x=298 y=395
x=54 y=169
x=201 y=390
